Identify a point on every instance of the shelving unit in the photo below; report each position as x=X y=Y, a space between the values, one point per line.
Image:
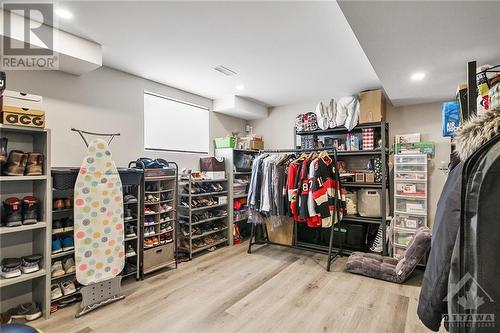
x=164 y=191
x=233 y=171
x=382 y=152
x=16 y=242
x=410 y=198
x=186 y=221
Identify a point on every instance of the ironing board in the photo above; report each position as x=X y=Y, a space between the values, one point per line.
x=99 y=234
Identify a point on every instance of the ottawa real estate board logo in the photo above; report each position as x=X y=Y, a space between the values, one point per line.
x=472 y=300
x=28 y=37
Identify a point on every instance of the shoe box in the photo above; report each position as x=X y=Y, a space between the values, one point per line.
x=22 y=109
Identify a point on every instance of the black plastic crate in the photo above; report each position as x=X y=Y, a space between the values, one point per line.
x=64 y=178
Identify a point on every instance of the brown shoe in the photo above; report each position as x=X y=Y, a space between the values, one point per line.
x=16 y=163
x=34 y=165
x=68 y=203
x=58 y=204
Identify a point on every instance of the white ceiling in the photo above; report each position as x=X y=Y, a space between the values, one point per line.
x=284 y=52
x=437 y=37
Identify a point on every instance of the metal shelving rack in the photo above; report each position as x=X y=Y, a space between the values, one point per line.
x=229 y=155
x=188 y=212
x=382 y=152
x=28 y=239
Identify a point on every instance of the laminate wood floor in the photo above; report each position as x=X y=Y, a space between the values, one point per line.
x=273 y=289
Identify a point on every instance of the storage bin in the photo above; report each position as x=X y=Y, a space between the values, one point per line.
x=398 y=251
x=158 y=256
x=64 y=178
x=411 y=205
x=411 y=159
x=402 y=238
x=356 y=236
x=410 y=176
x=227 y=142
x=411 y=189
x=369 y=202
x=411 y=168
x=409 y=221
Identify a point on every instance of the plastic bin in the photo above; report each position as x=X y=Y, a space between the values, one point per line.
x=410 y=176
x=409 y=221
x=411 y=205
x=399 y=251
x=403 y=238
x=227 y=142
x=64 y=178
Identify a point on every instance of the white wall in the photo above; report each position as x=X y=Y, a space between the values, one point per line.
x=277 y=130
x=109 y=101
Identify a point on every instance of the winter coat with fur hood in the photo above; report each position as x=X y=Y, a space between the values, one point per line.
x=432 y=303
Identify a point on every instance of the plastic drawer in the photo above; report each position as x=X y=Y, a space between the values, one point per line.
x=403 y=238
x=410 y=176
x=398 y=251
x=410 y=159
x=411 y=189
x=411 y=205
x=409 y=221
x=411 y=168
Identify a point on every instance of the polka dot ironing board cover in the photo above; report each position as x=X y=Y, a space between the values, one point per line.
x=99 y=248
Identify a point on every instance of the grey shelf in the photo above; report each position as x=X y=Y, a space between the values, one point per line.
x=62 y=276
x=23 y=277
x=22 y=178
x=222 y=180
x=239 y=196
x=208 y=233
x=62 y=254
x=27 y=227
x=362 y=185
x=196 y=195
x=210 y=245
x=205 y=220
x=357 y=218
x=340 y=130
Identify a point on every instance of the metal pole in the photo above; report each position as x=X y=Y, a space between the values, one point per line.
x=471 y=89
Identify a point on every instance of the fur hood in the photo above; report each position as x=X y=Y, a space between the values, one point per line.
x=475 y=132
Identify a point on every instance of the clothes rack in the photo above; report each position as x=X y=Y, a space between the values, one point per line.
x=331 y=254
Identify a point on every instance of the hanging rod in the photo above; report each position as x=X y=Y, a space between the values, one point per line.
x=81 y=132
x=329 y=150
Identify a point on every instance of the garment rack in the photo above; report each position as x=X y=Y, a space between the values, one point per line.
x=331 y=254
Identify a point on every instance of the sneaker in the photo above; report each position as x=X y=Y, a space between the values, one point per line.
x=130 y=231
x=68 y=243
x=149 y=220
x=57 y=204
x=68 y=224
x=130 y=251
x=163 y=227
x=30 y=264
x=12 y=209
x=165 y=208
x=169 y=237
x=30 y=210
x=156 y=241
x=57 y=269
x=28 y=311
x=69 y=265
x=57 y=227
x=129 y=199
x=55 y=291
x=149 y=211
x=11 y=268
x=128 y=214
x=148 y=242
x=68 y=287
x=56 y=245
x=6 y=318
x=163 y=239
x=68 y=203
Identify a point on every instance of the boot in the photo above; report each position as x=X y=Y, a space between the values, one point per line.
x=34 y=165
x=3 y=150
x=12 y=211
x=30 y=210
x=16 y=163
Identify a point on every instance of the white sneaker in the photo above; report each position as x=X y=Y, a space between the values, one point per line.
x=57 y=269
x=130 y=252
x=68 y=287
x=55 y=292
x=9 y=274
x=69 y=266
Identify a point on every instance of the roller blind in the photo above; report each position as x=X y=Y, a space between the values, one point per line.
x=174 y=125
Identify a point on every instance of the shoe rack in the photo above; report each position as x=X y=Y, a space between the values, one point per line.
x=23 y=240
x=158 y=243
x=193 y=233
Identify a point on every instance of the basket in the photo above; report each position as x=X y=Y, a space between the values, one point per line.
x=227 y=142
x=64 y=178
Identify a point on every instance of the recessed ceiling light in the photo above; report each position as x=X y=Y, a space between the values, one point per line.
x=418 y=76
x=240 y=87
x=65 y=14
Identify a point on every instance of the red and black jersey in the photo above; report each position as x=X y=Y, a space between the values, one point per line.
x=292 y=187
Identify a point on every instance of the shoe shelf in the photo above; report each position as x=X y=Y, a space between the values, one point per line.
x=27 y=227
x=214 y=188
x=62 y=254
x=164 y=192
x=61 y=277
x=26 y=239
x=239 y=196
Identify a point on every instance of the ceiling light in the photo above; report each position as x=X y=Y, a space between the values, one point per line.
x=418 y=76
x=224 y=70
x=65 y=14
x=240 y=87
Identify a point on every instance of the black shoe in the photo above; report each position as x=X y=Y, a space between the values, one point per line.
x=68 y=224
x=57 y=227
x=30 y=210
x=12 y=211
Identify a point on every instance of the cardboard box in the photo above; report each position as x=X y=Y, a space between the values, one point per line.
x=372 y=106
x=22 y=100
x=17 y=116
x=257 y=144
x=370 y=177
x=359 y=177
x=214 y=175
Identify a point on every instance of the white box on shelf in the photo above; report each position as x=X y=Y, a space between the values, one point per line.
x=22 y=100
x=222 y=199
x=213 y=175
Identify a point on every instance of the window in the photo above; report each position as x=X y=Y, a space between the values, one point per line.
x=173 y=125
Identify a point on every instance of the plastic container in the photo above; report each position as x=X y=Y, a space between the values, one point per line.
x=411 y=168
x=227 y=142
x=409 y=221
x=410 y=176
x=411 y=189
x=403 y=237
x=64 y=178
x=411 y=205
x=399 y=251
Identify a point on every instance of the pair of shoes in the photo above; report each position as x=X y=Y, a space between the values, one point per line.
x=130 y=231
x=149 y=220
x=20 y=163
x=60 y=268
x=19 y=212
x=130 y=252
x=165 y=218
x=149 y=198
x=28 y=311
x=13 y=267
x=164 y=196
x=165 y=208
x=151 y=187
x=64 y=225
x=149 y=231
x=64 y=244
x=129 y=199
x=149 y=211
x=58 y=290
x=65 y=203
x=164 y=227
x=128 y=215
